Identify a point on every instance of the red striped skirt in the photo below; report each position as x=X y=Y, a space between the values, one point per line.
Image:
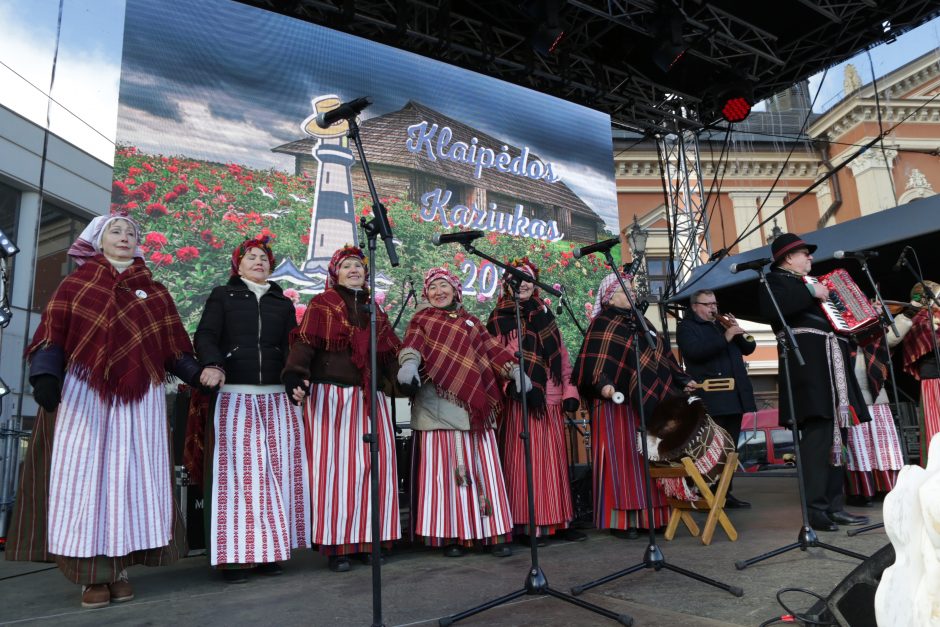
x=109 y=484
x=551 y=486
x=335 y=420
x=930 y=401
x=619 y=480
x=449 y=510
x=259 y=501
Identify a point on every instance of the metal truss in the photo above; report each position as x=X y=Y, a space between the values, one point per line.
x=685 y=203
x=605 y=60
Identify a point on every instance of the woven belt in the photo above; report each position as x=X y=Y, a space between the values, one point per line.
x=717 y=385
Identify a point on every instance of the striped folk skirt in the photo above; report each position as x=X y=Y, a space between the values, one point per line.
x=930 y=402
x=109 y=489
x=260 y=509
x=551 y=486
x=619 y=480
x=458 y=491
x=874 y=453
x=335 y=420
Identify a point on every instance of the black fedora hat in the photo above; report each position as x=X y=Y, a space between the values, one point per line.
x=786 y=243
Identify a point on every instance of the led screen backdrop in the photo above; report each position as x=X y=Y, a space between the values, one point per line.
x=217 y=142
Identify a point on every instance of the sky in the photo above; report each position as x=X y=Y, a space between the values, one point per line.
x=88 y=75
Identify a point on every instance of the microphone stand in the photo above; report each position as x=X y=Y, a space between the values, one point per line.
x=806 y=537
x=377 y=227
x=653 y=556
x=536 y=584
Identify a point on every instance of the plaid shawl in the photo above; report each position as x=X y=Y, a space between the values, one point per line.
x=541 y=345
x=461 y=359
x=607 y=357
x=120 y=332
x=917 y=342
x=326 y=326
x=876 y=359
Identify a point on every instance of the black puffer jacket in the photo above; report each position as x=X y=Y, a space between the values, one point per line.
x=228 y=334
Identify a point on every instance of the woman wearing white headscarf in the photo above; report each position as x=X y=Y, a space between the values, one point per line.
x=97 y=492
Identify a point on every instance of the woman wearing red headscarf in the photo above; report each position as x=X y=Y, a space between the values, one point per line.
x=606 y=364
x=257 y=480
x=97 y=493
x=459 y=493
x=328 y=368
x=548 y=367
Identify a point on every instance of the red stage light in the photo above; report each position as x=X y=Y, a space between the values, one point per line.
x=736 y=109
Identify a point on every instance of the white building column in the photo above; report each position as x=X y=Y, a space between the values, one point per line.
x=872 y=171
x=746 y=204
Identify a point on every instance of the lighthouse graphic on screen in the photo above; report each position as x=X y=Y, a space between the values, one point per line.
x=333 y=221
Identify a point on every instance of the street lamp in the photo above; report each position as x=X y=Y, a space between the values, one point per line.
x=637 y=236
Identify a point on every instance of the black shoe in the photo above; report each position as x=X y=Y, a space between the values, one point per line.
x=235 y=575
x=454 y=550
x=732 y=502
x=571 y=535
x=857 y=500
x=526 y=540
x=626 y=534
x=845 y=518
x=366 y=558
x=271 y=569
x=501 y=550
x=338 y=563
x=821 y=522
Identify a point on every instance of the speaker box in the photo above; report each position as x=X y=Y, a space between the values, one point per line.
x=581 y=492
x=852 y=602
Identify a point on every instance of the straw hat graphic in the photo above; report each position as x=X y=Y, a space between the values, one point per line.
x=322 y=104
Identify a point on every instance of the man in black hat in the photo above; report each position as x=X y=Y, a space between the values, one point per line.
x=826 y=396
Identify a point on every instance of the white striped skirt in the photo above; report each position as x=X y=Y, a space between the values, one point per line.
x=259 y=469
x=874 y=445
x=110 y=489
x=448 y=509
x=336 y=418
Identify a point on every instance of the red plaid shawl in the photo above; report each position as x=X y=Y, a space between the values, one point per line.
x=917 y=342
x=326 y=326
x=461 y=359
x=607 y=357
x=541 y=346
x=120 y=332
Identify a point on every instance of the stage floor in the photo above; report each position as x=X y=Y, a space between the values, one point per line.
x=421 y=585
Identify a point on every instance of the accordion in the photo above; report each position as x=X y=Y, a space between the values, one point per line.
x=848 y=309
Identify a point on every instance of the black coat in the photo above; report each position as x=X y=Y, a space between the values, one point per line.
x=812 y=384
x=228 y=334
x=708 y=355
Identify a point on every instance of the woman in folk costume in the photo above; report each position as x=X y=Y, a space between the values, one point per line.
x=97 y=493
x=328 y=368
x=607 y=364
x=919 y=360
x=874 y=452
x=549 y=370
x=257 y=477
x=458 y=494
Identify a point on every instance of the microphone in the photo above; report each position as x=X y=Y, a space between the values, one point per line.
x=343 y=112
x=599 y=247
x=861 y=255
x=757 y=264
x=460 y=237
x=902 y=260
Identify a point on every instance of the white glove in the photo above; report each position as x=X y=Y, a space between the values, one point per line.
x=408 y=374
x=521 y=379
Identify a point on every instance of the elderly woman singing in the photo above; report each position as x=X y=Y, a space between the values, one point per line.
x=329 y=359
x=458 y=484
x=607 y=364
x=97 y=496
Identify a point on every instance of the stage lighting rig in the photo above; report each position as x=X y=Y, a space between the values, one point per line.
x=7 y=247
x=4 y=388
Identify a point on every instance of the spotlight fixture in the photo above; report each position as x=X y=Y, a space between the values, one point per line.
x=7 y=247
x=6 y=314
x=734 y=101
x=4 y=388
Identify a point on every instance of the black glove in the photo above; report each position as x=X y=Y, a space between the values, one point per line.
x=46 y=391
x=571 y=404
x=410 y=389
x=293 y=380
x=535 y=397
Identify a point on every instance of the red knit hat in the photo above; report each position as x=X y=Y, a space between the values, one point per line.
x=442 y=273
x=242 y=249
x=339 y=256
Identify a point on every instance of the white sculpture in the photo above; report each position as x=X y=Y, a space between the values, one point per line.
x=909 y=592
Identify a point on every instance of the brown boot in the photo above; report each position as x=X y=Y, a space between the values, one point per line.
x=95 y=595
x=121 y=590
